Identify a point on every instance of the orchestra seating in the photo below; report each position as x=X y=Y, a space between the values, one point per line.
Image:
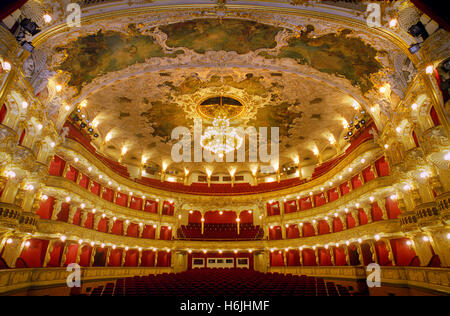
x=222 y=282
x=222 y=232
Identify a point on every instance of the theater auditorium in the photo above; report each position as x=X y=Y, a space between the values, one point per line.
x=222 y=148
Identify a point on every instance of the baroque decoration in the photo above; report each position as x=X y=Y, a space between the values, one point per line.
x=87 y=123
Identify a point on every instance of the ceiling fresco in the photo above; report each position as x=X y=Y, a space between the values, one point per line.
x=159 y=91
x=95 y=55
x=142 y=112
x=336 y=54
x=204 y=35
x=107 y=51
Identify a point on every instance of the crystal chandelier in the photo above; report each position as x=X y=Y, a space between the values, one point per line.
x=221 y=139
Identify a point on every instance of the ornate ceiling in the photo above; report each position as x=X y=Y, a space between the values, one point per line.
x=143 y=75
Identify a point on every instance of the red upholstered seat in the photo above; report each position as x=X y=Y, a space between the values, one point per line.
x=222 y=282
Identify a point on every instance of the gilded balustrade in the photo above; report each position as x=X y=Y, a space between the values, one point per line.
x=10 y=215
x=443 y=203
x=24 y=279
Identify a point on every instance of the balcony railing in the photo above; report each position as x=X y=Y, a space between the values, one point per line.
x=16 y=280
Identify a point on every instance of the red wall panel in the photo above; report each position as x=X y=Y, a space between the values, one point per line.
x=305 y=204
x=309 y=258
x=115 y=258
x=136 y=203
x=382 y=167
x=34 y=255
x=308 y=230
x=84 y=181
x=403 y=254
x=57 y=167
x=149 y=232
x=337 y=225
x=46 y=208
x=71 y=255
x=108 y=195
x=151 y=207
x=133 y=230
x=55 y=255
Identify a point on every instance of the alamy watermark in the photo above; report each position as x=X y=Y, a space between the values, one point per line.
x=374 y=278
x=73 y=15
x=74 y=278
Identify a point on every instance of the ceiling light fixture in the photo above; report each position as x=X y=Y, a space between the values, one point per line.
x=221 y=139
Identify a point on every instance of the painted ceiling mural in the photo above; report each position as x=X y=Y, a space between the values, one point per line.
x=142 y=119
x=204 y=35
x=95 y=55
x=336 y=54
x=157 y=91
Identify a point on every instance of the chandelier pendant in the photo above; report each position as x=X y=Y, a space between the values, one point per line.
x=221 y=139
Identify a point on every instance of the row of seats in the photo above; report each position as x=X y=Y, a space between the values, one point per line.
x=222 y=232
x=222 y=282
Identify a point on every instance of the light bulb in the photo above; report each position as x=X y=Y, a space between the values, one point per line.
x=393 y=23
x=447 y=156
x=6 y=66
x=47 y=18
